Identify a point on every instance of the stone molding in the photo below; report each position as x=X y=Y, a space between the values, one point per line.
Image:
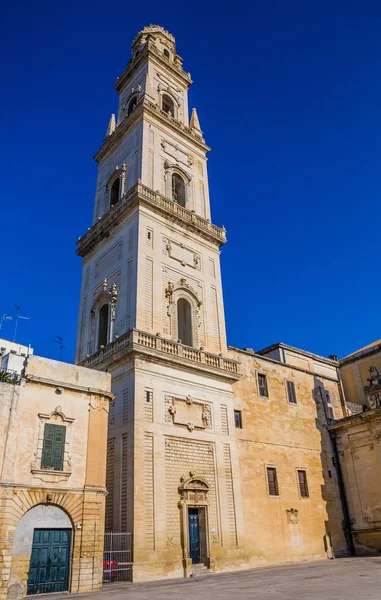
x=142 y=195
x=157 y=348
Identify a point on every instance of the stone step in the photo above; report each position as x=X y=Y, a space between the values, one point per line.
x=199 y=569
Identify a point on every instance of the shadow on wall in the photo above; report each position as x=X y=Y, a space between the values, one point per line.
x=337 y=539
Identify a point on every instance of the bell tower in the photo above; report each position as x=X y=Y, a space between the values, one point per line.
x=151 y=305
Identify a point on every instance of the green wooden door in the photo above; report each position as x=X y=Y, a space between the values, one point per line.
x=49 y=561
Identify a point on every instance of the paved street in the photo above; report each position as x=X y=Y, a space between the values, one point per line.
x=348 y=578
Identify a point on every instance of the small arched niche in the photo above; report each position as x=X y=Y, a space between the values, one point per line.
x=178 y=189
x=184 y=322
x=115 y=192
x=168 y=105
x=132 y=105
x=103 y=325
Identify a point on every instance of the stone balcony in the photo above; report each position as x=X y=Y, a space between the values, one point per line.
x=169 y=351
x=141 y=194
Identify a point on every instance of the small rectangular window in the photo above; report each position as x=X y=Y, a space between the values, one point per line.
x=303 y=486
x=262 y=385
x=149 y=396
x=291 y=393
x=53 y=449
x=272 y=481
x=238 y=419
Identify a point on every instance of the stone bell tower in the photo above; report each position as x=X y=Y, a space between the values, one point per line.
x=151 y=313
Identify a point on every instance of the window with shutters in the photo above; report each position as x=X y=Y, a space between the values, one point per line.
x=291 y=393
x=303 y=486
x=262 y=385
x=53 y=449
x=272 y=481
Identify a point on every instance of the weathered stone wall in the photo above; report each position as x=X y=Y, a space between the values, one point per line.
x=359 y=449
x=77 y=398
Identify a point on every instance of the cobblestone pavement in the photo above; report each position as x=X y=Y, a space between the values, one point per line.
x=340 y=579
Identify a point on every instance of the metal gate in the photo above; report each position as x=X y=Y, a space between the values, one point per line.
x=117 y=557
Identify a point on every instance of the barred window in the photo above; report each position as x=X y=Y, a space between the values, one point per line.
x=262 y=385
x=272 y=481
x=291 y=393
x=303 y=486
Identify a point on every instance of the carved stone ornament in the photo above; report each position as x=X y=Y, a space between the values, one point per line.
x=187 y=412
x=292 y=516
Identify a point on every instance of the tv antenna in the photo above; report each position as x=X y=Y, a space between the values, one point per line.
x=59 y=341
x=3 y=319
x=18 y=317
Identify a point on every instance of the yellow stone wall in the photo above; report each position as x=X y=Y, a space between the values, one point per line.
x=246 y=526
x=53 y=392
x=289 y=437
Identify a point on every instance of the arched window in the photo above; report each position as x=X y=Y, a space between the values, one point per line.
x=184 y=322
x=168 y=105
x=178 y=189
x=132 y=105
x=103 y=326
x=115 y=191
x=166 y=53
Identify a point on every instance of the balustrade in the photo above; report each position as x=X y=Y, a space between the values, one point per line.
x=153 y=342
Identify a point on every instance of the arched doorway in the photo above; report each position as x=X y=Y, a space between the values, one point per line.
x=41 y=552
x=184 y=322
x=194 y=522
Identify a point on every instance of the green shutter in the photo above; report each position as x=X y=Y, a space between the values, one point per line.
x=54 y=447
x=59 y=447
x=47 y=450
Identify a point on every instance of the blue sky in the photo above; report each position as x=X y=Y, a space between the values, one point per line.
x=288 y=95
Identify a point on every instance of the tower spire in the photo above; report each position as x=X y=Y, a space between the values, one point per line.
x=194 y=122
x=111 y=126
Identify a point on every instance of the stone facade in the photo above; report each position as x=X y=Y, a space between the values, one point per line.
x=48 y=392
x=357 y=439
x=198 y=430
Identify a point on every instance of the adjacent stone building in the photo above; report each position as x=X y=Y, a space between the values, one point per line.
x=53 y=436
x=358 y=441
x=218 y=458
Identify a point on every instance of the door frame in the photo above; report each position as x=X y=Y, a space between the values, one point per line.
x=70 y=557
x=193 y=492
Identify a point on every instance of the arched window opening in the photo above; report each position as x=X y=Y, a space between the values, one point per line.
x=184 y=322
x=168 y=105
x=178 y=189
x=166 y=53
x=103 y=326
x=132 y=105
x=115 y=191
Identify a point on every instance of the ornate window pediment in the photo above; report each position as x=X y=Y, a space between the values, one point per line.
x=56 y=417
x=108 y=296
x=176 y=292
